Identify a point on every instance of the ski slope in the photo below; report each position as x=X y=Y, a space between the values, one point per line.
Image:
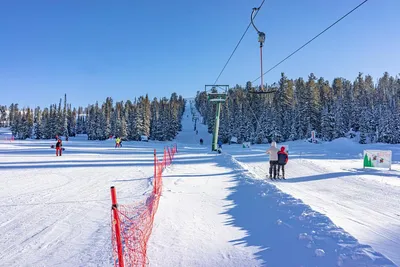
x=55 y=211
x=215 y=210
x=218 y=210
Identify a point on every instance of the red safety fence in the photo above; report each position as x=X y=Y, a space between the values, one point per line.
x=131 y=224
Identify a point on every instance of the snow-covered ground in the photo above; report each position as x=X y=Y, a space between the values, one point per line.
x=215 y=210
x=329 y=177
x=55 y=211
x=219 y=210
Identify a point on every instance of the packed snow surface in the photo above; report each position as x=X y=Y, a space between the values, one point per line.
x=215 y=210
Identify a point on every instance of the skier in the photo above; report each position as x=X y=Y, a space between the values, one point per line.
x=59 y=147
x=219 y=149
x=201 y=141
x=273 y=159
x=283 y=158
x=117 y=142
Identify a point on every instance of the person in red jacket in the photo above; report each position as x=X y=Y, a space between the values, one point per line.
x=283 y=158
x=59 y=147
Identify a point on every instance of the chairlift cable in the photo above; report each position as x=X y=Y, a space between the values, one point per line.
x=237 y=45
x=315 y=37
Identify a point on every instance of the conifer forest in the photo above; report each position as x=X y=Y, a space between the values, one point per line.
x=296 y=107
x=157 y=119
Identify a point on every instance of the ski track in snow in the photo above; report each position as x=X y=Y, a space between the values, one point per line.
x=215 y=210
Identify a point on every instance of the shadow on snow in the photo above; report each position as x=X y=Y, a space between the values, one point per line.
x=287 y=231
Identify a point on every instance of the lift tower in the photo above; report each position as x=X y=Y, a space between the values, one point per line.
x=216 y=98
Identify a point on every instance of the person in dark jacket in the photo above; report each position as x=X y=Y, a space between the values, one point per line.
x=219 y=149
x=283 y=158
x=59 y=147
x=219 y=143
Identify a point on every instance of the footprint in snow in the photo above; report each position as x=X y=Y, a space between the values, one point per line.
x=178 y=181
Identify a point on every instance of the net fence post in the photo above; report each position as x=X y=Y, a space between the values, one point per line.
x=117 y=224
x=155 y=172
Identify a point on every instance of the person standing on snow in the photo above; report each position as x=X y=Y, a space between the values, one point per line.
x=117 y=142
x=59 y=147
x=283 y=158
x=273 y=159
x=219 y=144
x=219 y=149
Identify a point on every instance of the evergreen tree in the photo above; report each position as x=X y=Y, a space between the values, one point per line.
x=38 y=124
x=15 y=120
x=65 y=118
x=3 y=116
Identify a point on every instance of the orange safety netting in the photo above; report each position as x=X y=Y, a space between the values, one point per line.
x=136 y=220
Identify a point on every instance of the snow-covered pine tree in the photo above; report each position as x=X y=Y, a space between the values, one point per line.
x=65 y=118
x=294 y=126
x=44 y=124
x=164 y=119
x=38 y=123
x=147 y=116
x=59 y=121
x=314 y=107
x=12 y=113
x=29 y=123
x=101 y=123
x=139 y=118
x=120 y=124
x=303 y=97
x=347 y=105
x=130 y=118
x=108 y=110
x=282 y=106
x=328 y=124
x=155 y=122
x=72 y=121
x=80 y=121
x=3 y=116
x=15 y=122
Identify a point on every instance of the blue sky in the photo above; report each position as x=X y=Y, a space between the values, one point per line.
x=94 y=48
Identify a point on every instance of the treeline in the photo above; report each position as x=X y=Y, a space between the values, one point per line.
x=157 y=119
x=296 y=107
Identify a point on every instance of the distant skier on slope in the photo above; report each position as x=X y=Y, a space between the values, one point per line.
x=273 y=159
x=219 y=144
x=59 y=147
x=283 y=158
x=117 y=142
x=219 y=149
